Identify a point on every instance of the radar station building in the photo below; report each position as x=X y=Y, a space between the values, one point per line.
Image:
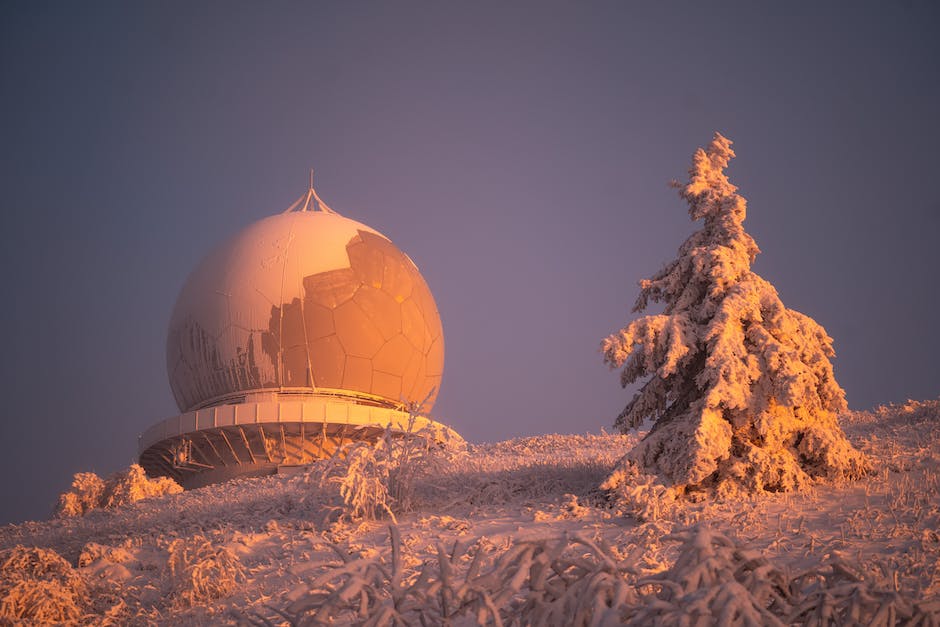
x=304 y=331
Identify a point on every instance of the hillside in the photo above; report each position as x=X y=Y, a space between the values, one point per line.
x=515 y=530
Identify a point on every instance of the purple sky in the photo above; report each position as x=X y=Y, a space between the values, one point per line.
x=518 y=152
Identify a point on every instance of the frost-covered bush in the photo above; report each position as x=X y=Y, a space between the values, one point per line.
x=378 y=479
x=361 y=473
x=840 y=593
x=133 y=484
x=37 y=586
x=84 y=495
x=639 y=494
x=198 y=571
x=570 y=581
x=715 y=581
x=740 y=387
x=90 y=492
x=416 y=455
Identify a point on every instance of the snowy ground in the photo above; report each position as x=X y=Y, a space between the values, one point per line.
x=267 y=549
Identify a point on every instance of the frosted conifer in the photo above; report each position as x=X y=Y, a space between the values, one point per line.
x=740 y=387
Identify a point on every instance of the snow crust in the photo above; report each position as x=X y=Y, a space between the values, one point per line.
x=509 y=533
x=740 y=387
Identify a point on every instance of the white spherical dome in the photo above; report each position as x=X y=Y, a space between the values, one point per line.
x=306 y=301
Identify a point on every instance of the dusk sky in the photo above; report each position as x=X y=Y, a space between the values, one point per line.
x=519 y=152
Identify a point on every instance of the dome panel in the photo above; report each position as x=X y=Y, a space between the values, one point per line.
x=357 y=330
x=420 y=387
x=331 y=289
x=413 y=326
x=328 y=363
x=397 y=280
x=426 y=304
x=395 y=355
x=295 y=367
x=381 y=308
x=318 y=320
x=386 y=385
x=409 y=377
x=357 y=375
x=435 y=358
x=367 y=259
x=289 y=320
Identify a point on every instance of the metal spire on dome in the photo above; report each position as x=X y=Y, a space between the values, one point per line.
x=310 y=201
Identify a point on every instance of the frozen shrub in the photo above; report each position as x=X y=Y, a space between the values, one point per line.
x=84 y=495
x=572 y=581
x=741 y=388
x=90 y=492
x=715 y=581
x=361 y=472
x=639 y=494
x=133 y=484
x=378 y=479
x=839 y=593
x=37 y=586
x=415 y=455
x=198 y=571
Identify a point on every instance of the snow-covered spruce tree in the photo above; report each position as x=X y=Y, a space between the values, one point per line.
x=740 y=387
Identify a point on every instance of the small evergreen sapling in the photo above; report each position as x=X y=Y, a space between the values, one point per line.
x=740 y=387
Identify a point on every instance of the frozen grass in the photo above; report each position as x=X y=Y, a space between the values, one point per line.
x=199 y=571
x=573 y=580
x=565 y=581
x=37 y=586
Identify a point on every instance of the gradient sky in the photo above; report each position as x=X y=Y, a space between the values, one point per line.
x=519 y=152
